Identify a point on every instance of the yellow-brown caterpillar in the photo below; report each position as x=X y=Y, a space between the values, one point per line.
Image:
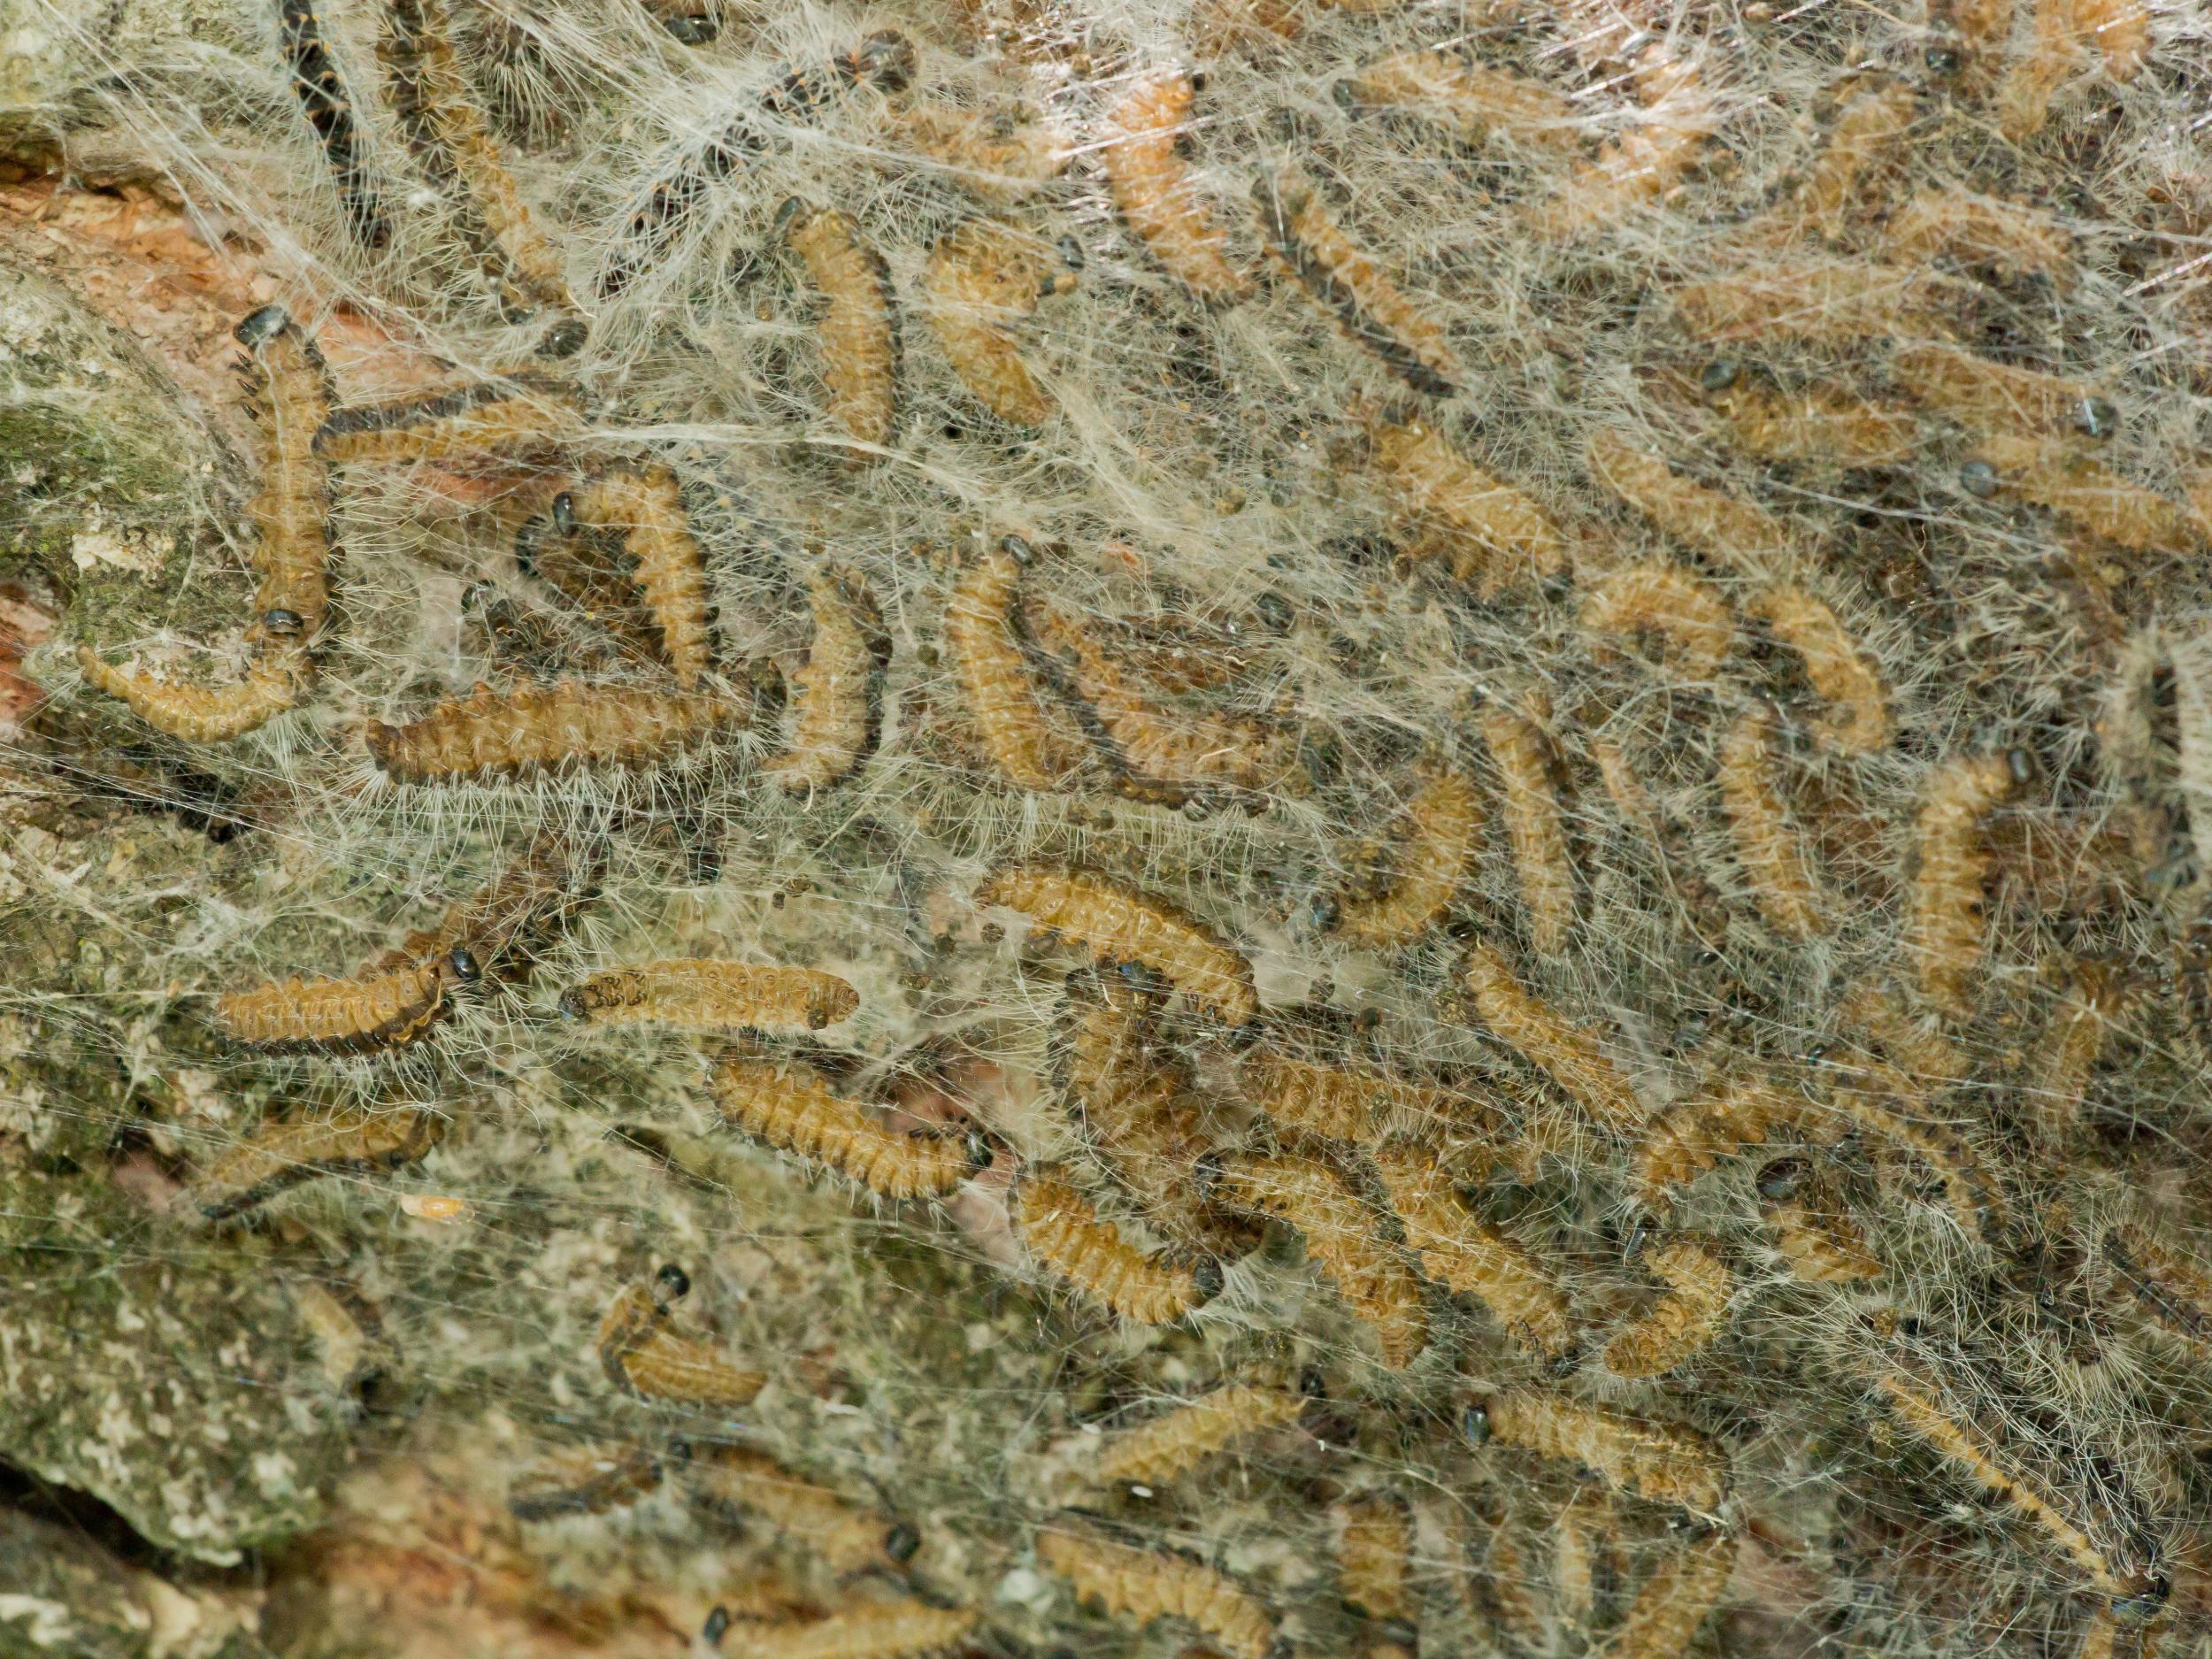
x=2119 y=32
x=1864 y=131
x=1824 y=426
x=2173 y=1289
x=707 y=995
x=496 y=933
x=1346 y=285
x=1693 y=1134
x=1683 y=1320
x=641 y=1353
x=888 y=1630
x=1444 y=818
x=2008 y=237
x=1446 y=88
x=2062 y=1067
x=1163 y=1450
x=587 y=1483
x=1582 y=1541
x=1775 y=858
x=520 y=415
x=1971 y=1193
x=1157 y=194
x=530 y=728
x=1650 y=1460
x=1834 y=302
x=859 y=327
x=1563 y=1050
x=844 y=1537
x=988 y=661
x=1944 y=933
x=1066 y=1232
x=292 y=395
x=1733 y=534
x=1491 y=533
x=1374 y=1545
x=1000 y=156
x=1667 y=603
x=1119 y=924
x=327 y=106
x=1145 y=1585
x=839 y=690
x=646 y=509
x=983 y=280
x=1645 y=162
x=1340 y=1103
x=377 y=1010
x=1999 y=398
x=1818 y=1242
x=1467 y=1254
x=276 y=682
x=1673 y=1603
x=1858 y=718
x=278 y=1157
x=2054 y=476
x=1341 y=1239
x=790 y=1106
x=1535 y=828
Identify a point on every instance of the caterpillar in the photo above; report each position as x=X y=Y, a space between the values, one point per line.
x=704 y=993
x=1692 y=621
x=2051 y=474
x=1338 y=1103
x=1817 y=1241
x=986 y=660
x=1925 y=1053
x=1821 y=302
x=1535 y=828
x=198 y=714
x=1444 y=817
x=446 y=133
x=1944 y=930
x=1658 y=1461
x=1971 y=1192
x=343 y=1346
x=517 y=415
x=1493 y=536
x=1066 y=1232
x=534 y=728
x=859 y=327
x=1644 y=163
x=500 y=929
x=1858 y=718
x=790 y=1107
x=1554 y=1044
x=2009 y=238
x=884 y=60
x=2113 y=1634
x=1685 y=1319
x=1374 y=1545
x=1581 y=1549
x=1662 y=835
x=2173 y=1289
x=887 y=1630
x=1146 y=1585
x=1156 y=193
x=1001 y=156
x=982 y=281
x=2062 y=1065
x=1119 y=924
x=1341 y=1240
x=1733 y=534
x=588 y=1483
x=1823 y=426
x=1673 y=1604
x=646 y=509
x=839 y=690
x=641 y=1353
x=1774 y=857
x=584 y=567
x=278 y=1157
x=2117 y=30
x=1998 y=398
x=1345 y=284
x=327 y=105
x=1447 y=88
x=1163 y=1450
x=1863 y=133
x=818 y=1522
x=291 y=389
x=377 y=1011
x=1693 y=1133
x=1470 y=1256
x=1182 y=654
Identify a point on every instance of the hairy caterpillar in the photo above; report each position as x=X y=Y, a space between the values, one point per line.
x=1444 y=817
x=641 y=1353
x=1832 y=301
x=1664 y=837
x=646 y=509
x=1674 y=1602
x=274 y=683
x=1341 y=1239
x=790 y=1107
x=1065 y=1231
x=2050 y=473
x=2064 y=1064
x=1158 y=195
x=1862 y=134
x=1467 y=1254
x=1168 y=1447
x=2174 y=1289
x=1683 y=1320
x=1817 y=1241
x=291 y=385
x=1733 y=533
x=1663 y=1463
x=1563 y=1050
x=1582 y=1538
x=327 y=106
x=1374 y=1545
x=585 y=567
x=2117 y=30
x=889 y=1630
x=1338 y=1104
x=1504 y=1590
x=278 y=1157
x=982 y=281
x=1346 y=285
x=590 y=1483
x=1822 y=425
x=1858 y=720
x=1971 y=1192
x=1944 y=932
x=2008 y=237
x=1693 y=1134
x=1493 y=536
x=1645 y=162
x=841 y=688
x=500 y=929
x=986 y=659
x=517 y=415
x=1118 y=923
x=1671 y=604
x=531 y=728
x=1145 y=1585
x=999 y=156
x=859 y=328
x=1775 y=858
x=1925 y=1053
x=827 y=1528
x=446 y=132
x=712 y=996
x=1998 y=398
x=377 y=1011
x=1535 y=828
x=1467 y=99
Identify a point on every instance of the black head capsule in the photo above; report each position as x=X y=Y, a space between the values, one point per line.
x=1312 y=1383
x=1274 y=611
x=716 y=1627
x=1346 y=99
x=1941 y=60
x=981 y=1150
x=564 y=513
x=1634 y=1236
x=671 y=1285
x=461 y=963
x=284 y=624
x=887 y=59
x=573 y=1004
x=1781 y=1179
x=1071 y=252
x=1718 y=375
x=902 y=1542
x=2096 y=418
x=1018 y=550
x=1979 y=479
x=788 y=214
x=1324 y=912
x=691 y=31
x=262 y=326
x=1474 y=1425
x=1207 y=1278
x=564 y=339
x=2020 y=766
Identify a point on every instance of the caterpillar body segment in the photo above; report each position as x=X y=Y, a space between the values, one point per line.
x=1374 y=1547
x=1824 y=301
x=279 y=1157
x=641 y=1353
x=2064 y=34
x=1000 y=156
x=1346 y=285
x=859 y=326
x=1692 y=621
x=1733 y=534
x=1869 y=1097
x=588 y=1484
x=1694 y=1134
x=1817 y=1241
x=1655 y=1461
x=846 y=1538
x=1683 y=1320
x=1340 y=1103
x=1774 y=856
x=2054 y=476
x=1065 y=1231
x=983 y=280
x=1857 y=147
x=275 y=683
x=1467 y=1254
x=2010 y=238
x=1119 y=924
x=994 y=677
x=1945 y=925
x=1535 y=828
x=1493 y=536
x=1998 y=399
x=519 y=415
x=2173 y=1289
x=1158 y=195
x=292 y=397
x=1858 y=719
x=1563 y=1050
x=382 y=1010
x=791 y=1108
x=839 y=690
x=1815 y=424
x=536 y=728
x=646 y=509
x=1646 y=162
x=887 y=1630
x=1672 y=1605
x=1444 y=818
x=1160 y=1452
x=712 y=996
x=327 y=106
x=1474 y=102
x=1144 y=1586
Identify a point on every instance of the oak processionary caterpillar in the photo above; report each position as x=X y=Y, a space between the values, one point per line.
x=292 y=395
x=647 y=508
x=1146 y=1585
x=517 y=415
x=532 y=728
x=890 y=1629
x=1442 y=85
x=1945 y=930
x=1646 y=1460
x=839 y=690
x=1683 y=1320
x=983 y=280
x=1673 y=1603
x=1823 y=426
x=1373 y=1548
x=274 y=683
x=1669 y=602
x=845 y=1538
x=1858 y=720
x=327 y=105
x=278 y=1157
x=1775 y=858
x=1157 y=1453
x=1693 y=1133
x=1817 y=1241
x=986 y=659
x=587 y=1483
x=1491 y=533
x=1157 y=194
x=1555 y=1045
x=379 y=1010
x=1733 y=533
x=859 y=327
x=707 y=995
x=1535 y=828
x=641 y=1353
x=789 y=1105
x=1066 y=1232
x=1444 y=818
